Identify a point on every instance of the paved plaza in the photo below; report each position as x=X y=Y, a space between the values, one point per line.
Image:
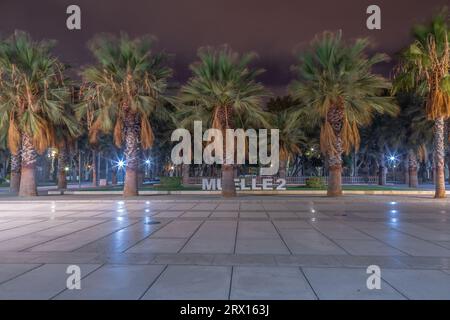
x=213 y=248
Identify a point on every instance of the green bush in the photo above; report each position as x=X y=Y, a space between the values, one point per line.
x=170 y=182
x=315 y=182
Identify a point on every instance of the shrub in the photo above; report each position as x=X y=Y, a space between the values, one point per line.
x=170 y=182
x=315 y=182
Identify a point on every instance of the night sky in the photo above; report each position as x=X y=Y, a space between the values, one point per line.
x=273 y=29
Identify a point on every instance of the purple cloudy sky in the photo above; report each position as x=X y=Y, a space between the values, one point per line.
x=271 y=28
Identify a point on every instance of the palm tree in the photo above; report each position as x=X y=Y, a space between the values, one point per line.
x=340 y=93
x=291 y=136
x=424 y=68
x=122 y=92
x=32 y=104
x=224 y=91
x=416 y=133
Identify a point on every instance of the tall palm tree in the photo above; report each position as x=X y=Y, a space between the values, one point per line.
x=414 y=133
x=223 y=89
x=122 y=92
x=341 y=93
x=424 y=68
x=32 y=104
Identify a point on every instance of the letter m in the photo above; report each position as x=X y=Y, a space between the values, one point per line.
x=209 y=185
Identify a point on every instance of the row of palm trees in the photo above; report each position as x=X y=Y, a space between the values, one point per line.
x=121 y=94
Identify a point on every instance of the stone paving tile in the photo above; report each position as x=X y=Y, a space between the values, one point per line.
x=204 y=206
x=269 y=283
x=196 y=214
x=257 y=230
x=309 y=242
x=253 y=215
x=419 y=284
x=65 y=257
x=445 y=244
x=340 y=283
x=228 y=207
x=30 y=240
x=191 y=282
x=112 y=282
x=364 y=247
x=183 y=258
x=225 y=214
x=213 y=237
x=409 y=244
x=80 y=238
x=29 y=228
x=262 y=246
x=41 y=283
x=11 y=270
x=244 y=259
x=425 y=262
x=177 y=229
x=421 y=232
x=337 y=230
x=17 y=223
x=159 y=245
x=122 y=239
x=281 y=214
x=168 y=214
x=320 y=233
x=292 y=224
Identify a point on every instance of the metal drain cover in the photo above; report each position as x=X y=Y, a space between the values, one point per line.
x=152 y=222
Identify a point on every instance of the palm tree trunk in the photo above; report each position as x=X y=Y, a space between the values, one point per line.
x=131 y=131
x=382 y=170
x=335 y=117
x=14 y=182
x=94 y=168
x=412 y=170
x=185 y=173
x=282 y=169
x=406 y=169
x=439 y=155
x=225 y=114
x=228 y=187
x=62 y=163
x=28 y=186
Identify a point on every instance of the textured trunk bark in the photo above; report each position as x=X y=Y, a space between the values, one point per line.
x=406 y=169
x=412 y=170
x=335 y=117
x=14 y=183
x=228 y=187
x=94 y=168
x=28 y=186
x=186 y=168
x=335 y=181
x=62 y=163
x=131 y=132
x=439 y=155
x=282 y=169
x=225 y=114
x=382 y=170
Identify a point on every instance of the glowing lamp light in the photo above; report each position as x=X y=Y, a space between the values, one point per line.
x=120 y=163
x=147 y=161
